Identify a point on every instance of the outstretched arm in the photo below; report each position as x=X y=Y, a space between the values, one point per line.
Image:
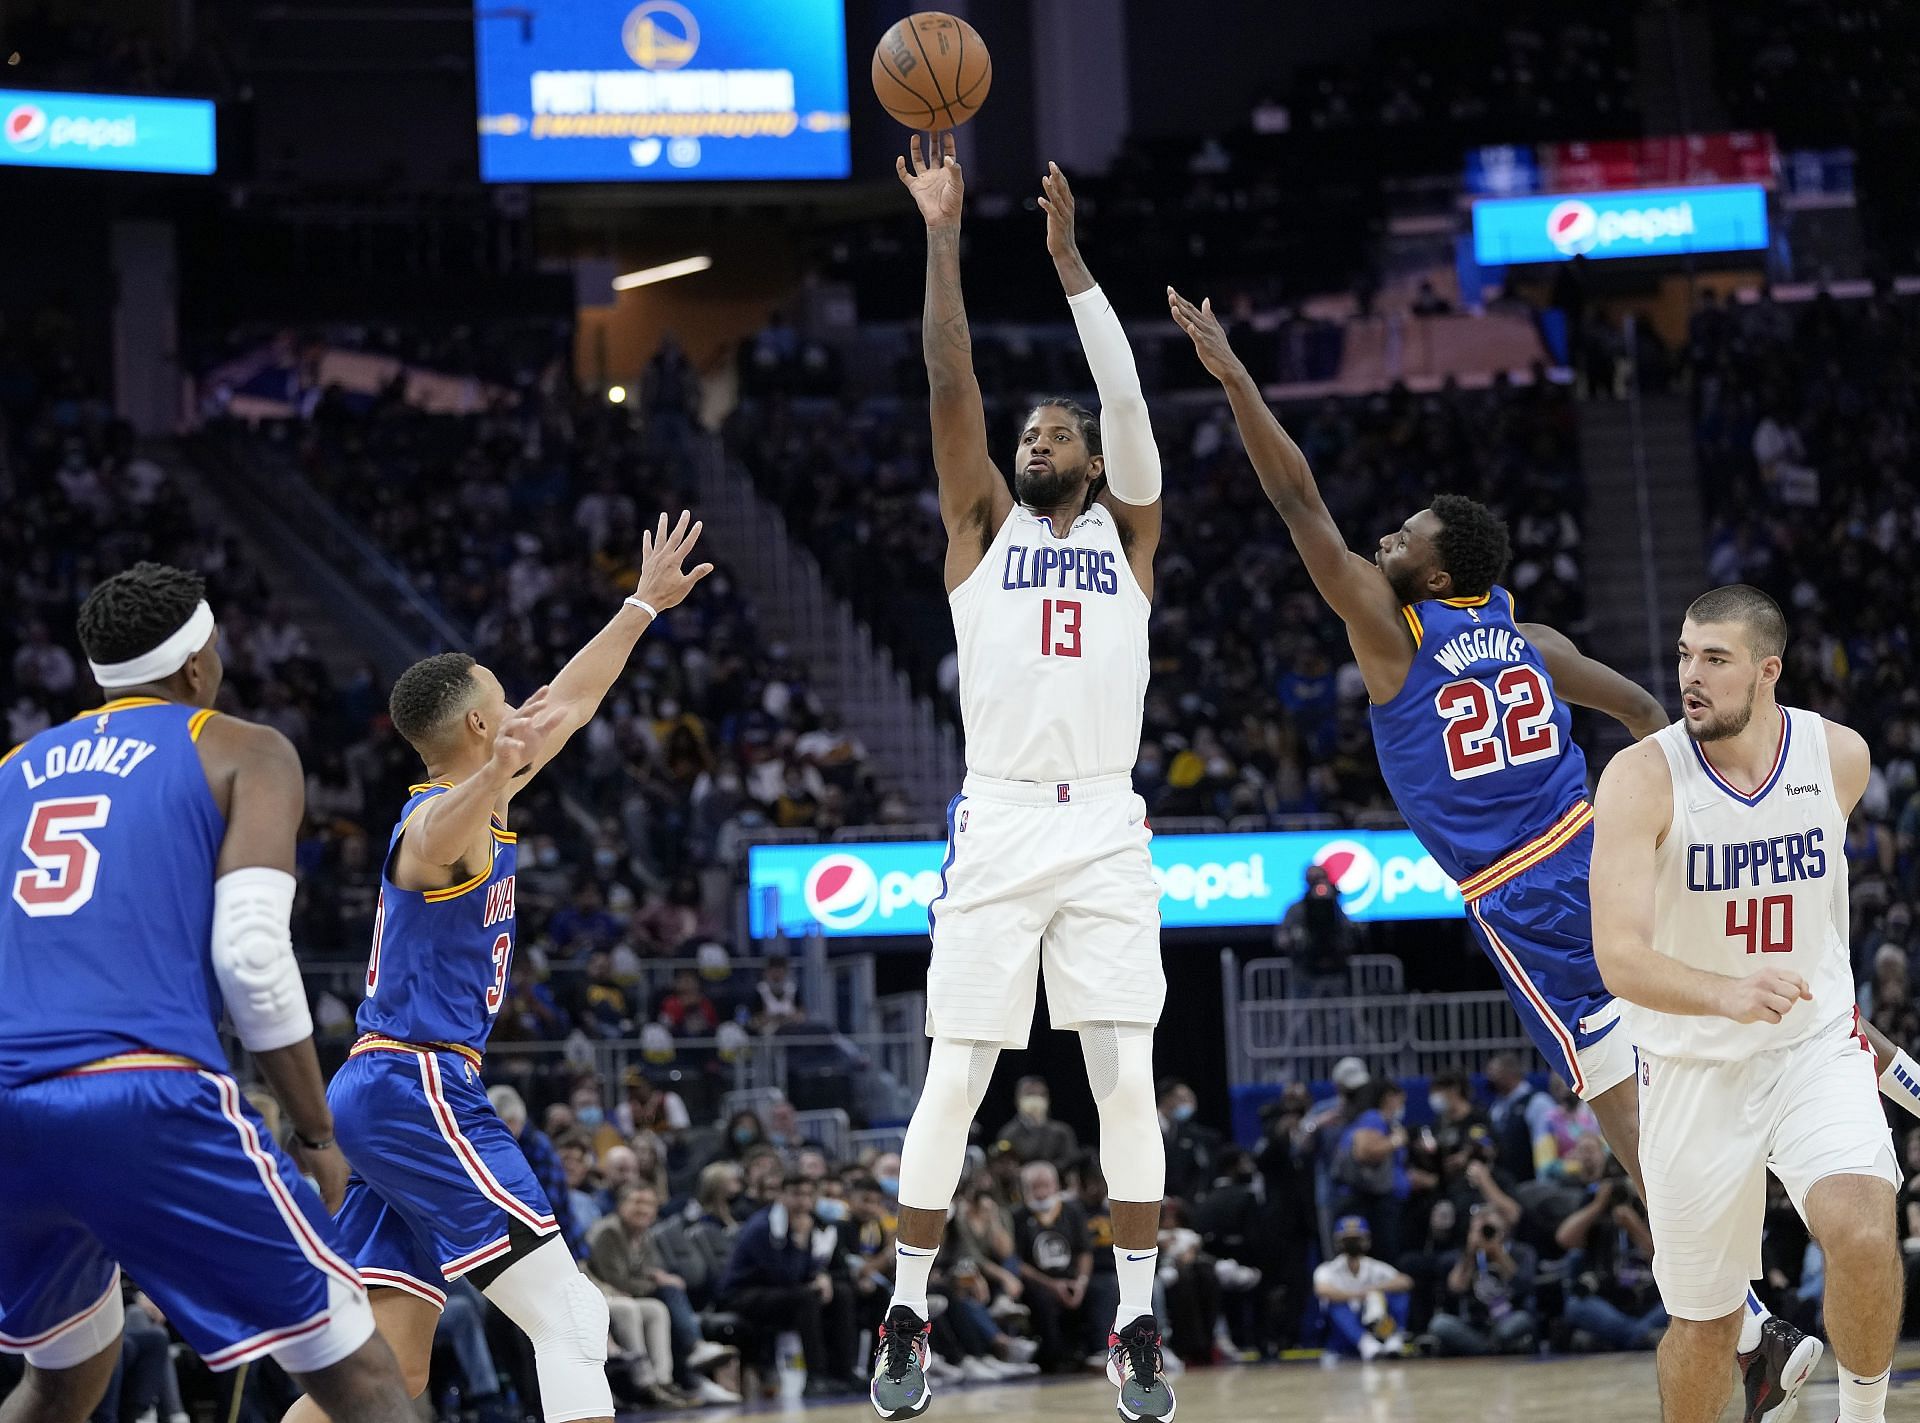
x=1632 y=810
x=1354 y=588
x=1130 y=457
x=1587 y=683
x=974 y=497
x=576 y=693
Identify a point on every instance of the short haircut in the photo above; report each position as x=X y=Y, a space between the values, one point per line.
x=1030 y=1080
x=1473 y=544
x=633 y=1188
x=135 y=611
x=793 y=1180
x=508 y=1104
x=865 y=1183
x=1765 y=624
x=1087 y=422
x=428 y=695
x=1451 y=1079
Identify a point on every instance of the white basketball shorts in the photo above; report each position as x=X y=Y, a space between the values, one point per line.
x=1055 y=874
x=1709 y=1132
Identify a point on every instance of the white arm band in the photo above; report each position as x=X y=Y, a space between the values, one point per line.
x=1126 y=437
x=253 y=958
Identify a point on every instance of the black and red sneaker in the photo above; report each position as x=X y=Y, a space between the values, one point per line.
x=1135 y=1368
x=900 y=1388
x=1774 y=1371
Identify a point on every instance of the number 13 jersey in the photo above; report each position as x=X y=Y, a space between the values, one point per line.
x=1746 y=881
x=1476 y=749
x=1052 y=637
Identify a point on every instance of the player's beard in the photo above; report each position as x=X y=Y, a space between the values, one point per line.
x=1049 y=488
x=1722 y=725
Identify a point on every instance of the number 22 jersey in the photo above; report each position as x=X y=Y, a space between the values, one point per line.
x=1476 y=749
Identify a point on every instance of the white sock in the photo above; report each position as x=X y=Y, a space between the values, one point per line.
x=912 y=1266
x=1863 y=1400
x=1750 y=1322
x=1136 y=1269
x=1900 y=1083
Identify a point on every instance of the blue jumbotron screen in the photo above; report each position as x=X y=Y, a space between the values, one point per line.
x=1630 y=222
x=115 y=131
x=584 y=91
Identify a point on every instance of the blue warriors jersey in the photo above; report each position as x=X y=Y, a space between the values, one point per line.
x=1477 y=750
x=438 y=971
x=109 y=838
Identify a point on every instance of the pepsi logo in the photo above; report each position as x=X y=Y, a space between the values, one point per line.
x=842 y=891
x=1353 y=870
x=1573 y=227
x=27 y=127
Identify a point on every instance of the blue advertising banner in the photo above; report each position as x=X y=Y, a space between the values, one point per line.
x=1206 y=881
x=1633 y=222
x=575 y=91
x=114 y=131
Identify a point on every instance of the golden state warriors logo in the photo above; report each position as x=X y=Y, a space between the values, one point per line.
x=660 y=35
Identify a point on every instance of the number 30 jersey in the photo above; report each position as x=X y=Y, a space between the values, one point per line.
x=1476 y=749
x=1052 y=637
x=1752 y=880
x=109 y=838
x=438 y=969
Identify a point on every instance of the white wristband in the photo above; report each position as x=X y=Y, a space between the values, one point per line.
x=644 y=606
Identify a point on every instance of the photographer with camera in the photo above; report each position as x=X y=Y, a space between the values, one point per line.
x=1488 y=1307
x=1613 y=1298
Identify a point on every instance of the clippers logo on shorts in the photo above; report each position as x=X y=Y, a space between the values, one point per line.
x=1063 y=793
x=842 y=891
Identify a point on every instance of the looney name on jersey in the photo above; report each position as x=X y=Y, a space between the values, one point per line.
x=1480 y=644
x=499 y=902
x=1090 y=570
x=1784 y=859
x=115 y=755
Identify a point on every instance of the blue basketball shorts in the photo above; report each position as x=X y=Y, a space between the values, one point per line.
x=437 y=1175
x=1537 y=927
x=154 y=1164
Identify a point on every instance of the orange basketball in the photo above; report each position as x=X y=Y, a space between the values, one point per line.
x=932 y=71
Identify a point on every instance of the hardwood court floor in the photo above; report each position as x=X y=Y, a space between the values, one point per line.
x=1616 y=1388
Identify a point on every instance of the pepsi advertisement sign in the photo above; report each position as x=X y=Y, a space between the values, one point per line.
x=1206 y=882
x=600 y=91
x=1635 y=222
x=115 y=131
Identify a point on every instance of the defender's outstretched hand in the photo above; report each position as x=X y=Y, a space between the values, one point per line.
x=664 y=580
x=936 y=183
x=1208 y=336
x=1056 y=200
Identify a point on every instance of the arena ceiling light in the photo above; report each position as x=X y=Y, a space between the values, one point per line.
x=665 y=272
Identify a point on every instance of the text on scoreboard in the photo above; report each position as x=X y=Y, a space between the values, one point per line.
x=1634 y=222
x=1206 y=881
x=575 y=91
x=42 y=129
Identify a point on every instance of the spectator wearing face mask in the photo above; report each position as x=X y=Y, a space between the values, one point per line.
x=1365 y=1300
x=886 y=1172
x=590 y=1116
x=1191 y=1147
x=1032 y=1134
x=1056 y=1263
x=1370 y=1163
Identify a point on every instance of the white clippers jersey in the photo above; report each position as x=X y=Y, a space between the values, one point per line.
x=1053 y=652
x=1744 y=882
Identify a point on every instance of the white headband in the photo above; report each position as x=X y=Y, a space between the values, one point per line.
x=166 y=659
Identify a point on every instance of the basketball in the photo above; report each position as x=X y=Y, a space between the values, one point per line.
x=932 y=71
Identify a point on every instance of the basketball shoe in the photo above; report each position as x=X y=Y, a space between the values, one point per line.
x=1774 y=1372
x=900 y=1388
x=1134 y=1366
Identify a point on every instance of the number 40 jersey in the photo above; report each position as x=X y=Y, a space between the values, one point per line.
x=1477 y=750
x=109 y=838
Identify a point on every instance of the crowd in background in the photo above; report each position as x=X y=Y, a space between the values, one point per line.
x=1256 y=708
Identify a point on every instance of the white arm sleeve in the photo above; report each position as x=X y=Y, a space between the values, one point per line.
x=1126 y=436
x=253 y=958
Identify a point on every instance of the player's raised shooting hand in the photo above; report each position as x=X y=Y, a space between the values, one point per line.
x=936 y=182
x=665 y=580
x=1766 y=996
x=1056 y=201
x=1208 y=336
